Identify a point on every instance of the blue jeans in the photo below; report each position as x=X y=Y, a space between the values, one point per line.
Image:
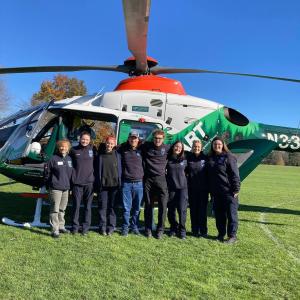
x=132 y=195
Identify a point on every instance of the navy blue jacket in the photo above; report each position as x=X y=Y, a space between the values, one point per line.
x=155 y=159
x=58 y=172
x=83 y=162
x=223 y=174
x=197 y=171
x=132 y=163
x=176 y=178
x=100 y=169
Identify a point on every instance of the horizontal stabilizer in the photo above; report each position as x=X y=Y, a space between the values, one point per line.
x=250 y=153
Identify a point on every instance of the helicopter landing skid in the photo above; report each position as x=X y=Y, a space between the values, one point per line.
x=36 y=220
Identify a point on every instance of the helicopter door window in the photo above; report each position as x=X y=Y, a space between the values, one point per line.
x=144 y=129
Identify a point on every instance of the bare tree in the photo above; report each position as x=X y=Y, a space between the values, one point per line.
x=3 y=97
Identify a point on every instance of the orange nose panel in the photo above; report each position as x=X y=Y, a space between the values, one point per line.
x=152 y=83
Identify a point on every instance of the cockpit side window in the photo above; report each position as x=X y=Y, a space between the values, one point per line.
x=144 y=129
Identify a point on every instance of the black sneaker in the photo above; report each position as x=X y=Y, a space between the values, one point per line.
x=84 y=233
x=102 y=232
x=148 y=233
x=64 y=230
x=203 y=235
x=74 y=232
x=110 y=232
x=55 y=235
x=172 y=233
x=195 y=234
x=231 y=240
x=124 y=233
x=220 y=238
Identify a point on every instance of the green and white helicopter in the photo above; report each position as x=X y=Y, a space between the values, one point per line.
x=143 y=102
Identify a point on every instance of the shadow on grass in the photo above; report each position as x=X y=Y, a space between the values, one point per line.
x=265 y=223
x=265 y=209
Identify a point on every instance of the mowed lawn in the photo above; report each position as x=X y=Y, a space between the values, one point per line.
x=263 y=264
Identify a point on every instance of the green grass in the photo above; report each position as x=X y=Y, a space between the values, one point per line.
x=264 y=264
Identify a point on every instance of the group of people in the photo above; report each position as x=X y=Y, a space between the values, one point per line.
x=144 y=172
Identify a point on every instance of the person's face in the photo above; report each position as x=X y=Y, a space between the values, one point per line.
x=196 y=149
x=63 y=148
x=85 y=140
x=110 y=144
x=133 y=141
x=177 y=149
x=158 y=140
x=218 y=146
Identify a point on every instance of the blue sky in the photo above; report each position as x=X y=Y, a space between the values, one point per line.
x=261 y=37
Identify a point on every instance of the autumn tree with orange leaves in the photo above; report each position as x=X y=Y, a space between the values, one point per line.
x=59 y=88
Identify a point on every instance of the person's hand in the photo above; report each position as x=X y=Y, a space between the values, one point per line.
x=235 y=195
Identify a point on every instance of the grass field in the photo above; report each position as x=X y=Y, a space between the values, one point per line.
x=264 y=264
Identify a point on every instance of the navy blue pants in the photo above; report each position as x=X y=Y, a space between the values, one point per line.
x=198 y=200
x=177 y=201
x=226 y=214
x=85 y=193
x=106 y=208
x=155 y=188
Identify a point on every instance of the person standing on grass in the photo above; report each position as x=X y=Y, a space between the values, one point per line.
x=132 y=182
x=224 y=186
x=108 y=181
x=198 y=189
x=83 y=178
x=57 y=175
x=155 y=184
x=177 y=185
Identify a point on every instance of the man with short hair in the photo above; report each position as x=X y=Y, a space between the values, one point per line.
x=132 y=182
x=155 y=184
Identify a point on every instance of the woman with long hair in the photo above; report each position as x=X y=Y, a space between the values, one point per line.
x=224 y=186
x=177 y=186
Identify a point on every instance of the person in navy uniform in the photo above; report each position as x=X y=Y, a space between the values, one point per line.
x=198 y=189
x=83 y=178
x=57 y=176
x=108 y=181
x=177 y=185
x=132 y=182
x=155 y=184
x=224 y=186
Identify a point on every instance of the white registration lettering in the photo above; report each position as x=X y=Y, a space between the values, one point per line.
x=296 y=140
x=285 y=139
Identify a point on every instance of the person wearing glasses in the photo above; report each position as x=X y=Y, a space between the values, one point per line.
x=155 y=184
x=132 y=182
x=198 y=189
x=224 y=186
x=57 y=175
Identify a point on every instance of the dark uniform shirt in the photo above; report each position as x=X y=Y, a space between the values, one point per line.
x=110 y=176
x=155 y=159
x=83 y=161
x=223 y=174
x=176 y=178
x=58 y=171
x=132 y=163
x=196 y=171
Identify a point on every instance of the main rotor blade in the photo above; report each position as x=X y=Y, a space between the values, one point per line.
x=136 y=13
x=120 y=68
x=170 y=70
